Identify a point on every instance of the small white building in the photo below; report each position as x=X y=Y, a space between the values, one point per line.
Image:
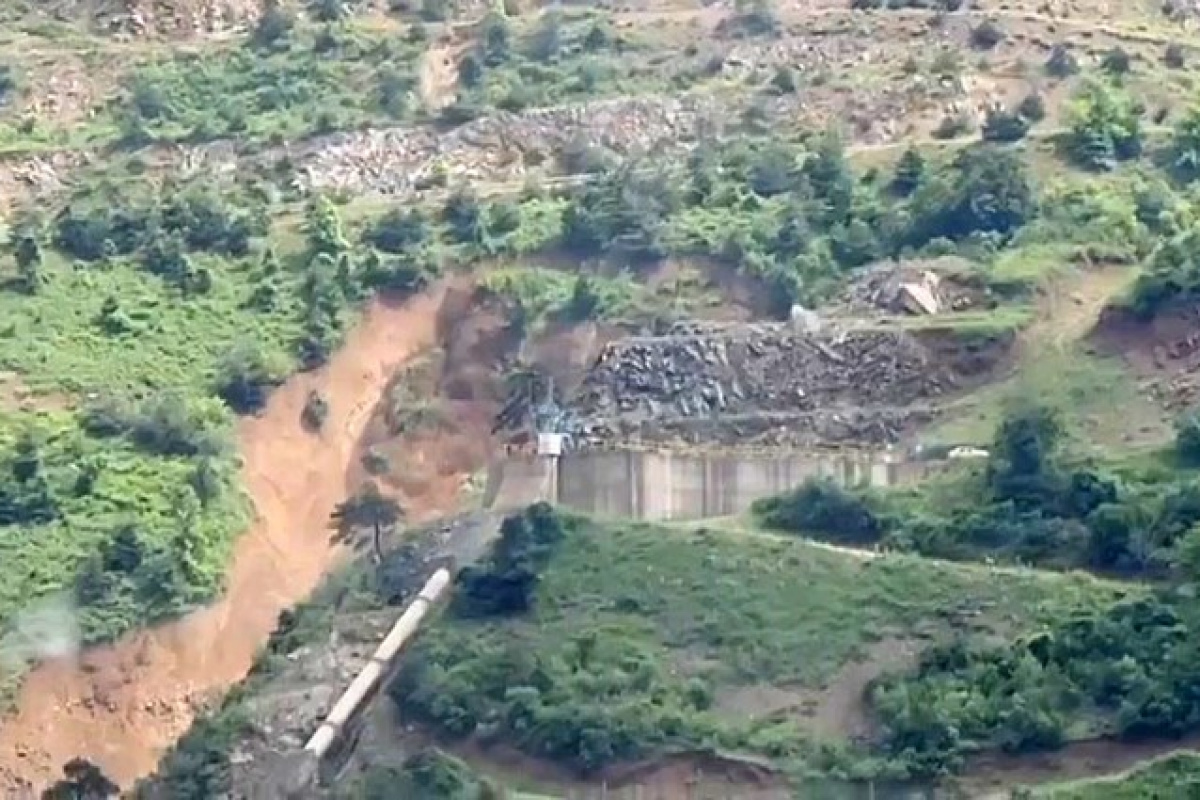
x=550 y=444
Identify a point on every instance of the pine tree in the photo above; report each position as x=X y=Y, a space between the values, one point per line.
x=28 y=256
x=910 y=170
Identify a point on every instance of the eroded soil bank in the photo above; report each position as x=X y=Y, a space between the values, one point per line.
x=122 y=705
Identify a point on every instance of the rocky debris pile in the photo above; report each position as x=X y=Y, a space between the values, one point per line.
x=891 y=287
x=397 y=161
x=759 y=369
x=851 y=427
x=774 y=384
x=305 y=682
x=177 y=18
x=39 y=175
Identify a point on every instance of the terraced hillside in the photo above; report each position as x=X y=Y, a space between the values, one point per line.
x=259 y=255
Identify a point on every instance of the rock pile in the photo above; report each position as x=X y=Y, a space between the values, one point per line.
x=879 y=288
x=768 y=385
x=759 y=369
x=851 y=427
x=497 y=147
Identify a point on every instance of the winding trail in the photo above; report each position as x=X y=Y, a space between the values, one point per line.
x=124 y=704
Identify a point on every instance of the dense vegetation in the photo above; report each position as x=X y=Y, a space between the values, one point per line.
x=1124 y=671
x=173 y=313
x=591 y=644
x=797 y=215
x=1028 y=504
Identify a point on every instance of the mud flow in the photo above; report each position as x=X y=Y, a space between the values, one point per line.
x=123 y=705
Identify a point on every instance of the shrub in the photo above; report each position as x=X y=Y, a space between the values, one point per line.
x=82 y=780
x=952 y=127
x=1173 y=57
x=1032 y=107
x=1103 y=128
x=821 y=506
x=1002 y=125
x=1116 y=61
x=273 y=26
x=1187 y=438
x=245 y=376
x=504 y=584
x=784 y=80
x=910 y=170
x=987 y=35
x=1061 y=63
x=315 y=411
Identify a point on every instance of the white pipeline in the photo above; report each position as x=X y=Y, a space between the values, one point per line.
x=369 y=678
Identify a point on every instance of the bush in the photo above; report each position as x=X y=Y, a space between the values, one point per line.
x=1174 y=56
x=400 y=231
x=504 y=584
x=164 y=425
x=82 y=780
x=952 y=127
x=428 y=774
x=273 y=26
x=987 y=35
x=1187 y=438
x=1116 y=62
x=315 y=411
x=1061 y=63
x=245 y=376
x=1032 y=107
x=1004 y=126
x=1103 y=127
x=822 y=507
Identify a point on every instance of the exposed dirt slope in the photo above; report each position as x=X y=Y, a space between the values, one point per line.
x=122 y=705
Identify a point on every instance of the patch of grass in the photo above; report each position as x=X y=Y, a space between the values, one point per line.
x=1026 y=268
x=1176 y=775
x=541 y=292
x=1102 y=407
x=137 y=536
x=315 y=80
x=56 y=340
x=634 y=626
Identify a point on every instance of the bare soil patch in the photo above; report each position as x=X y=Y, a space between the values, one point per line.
x=16 y=395
x=1164 y=352
x=839 y=710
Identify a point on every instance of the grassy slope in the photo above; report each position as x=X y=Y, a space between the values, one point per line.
x=1176 y=776
x=732 y=608
x=54 y=341
x=770 y=609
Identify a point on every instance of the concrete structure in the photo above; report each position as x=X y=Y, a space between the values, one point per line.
x=664 y=486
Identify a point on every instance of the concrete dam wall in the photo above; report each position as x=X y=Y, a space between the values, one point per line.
x=666 y=486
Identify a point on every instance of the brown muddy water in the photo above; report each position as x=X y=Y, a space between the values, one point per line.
x=660 y=486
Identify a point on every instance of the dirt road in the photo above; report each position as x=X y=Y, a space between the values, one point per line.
x=124 y=704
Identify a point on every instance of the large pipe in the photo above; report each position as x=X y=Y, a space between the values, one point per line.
x=369 y=677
